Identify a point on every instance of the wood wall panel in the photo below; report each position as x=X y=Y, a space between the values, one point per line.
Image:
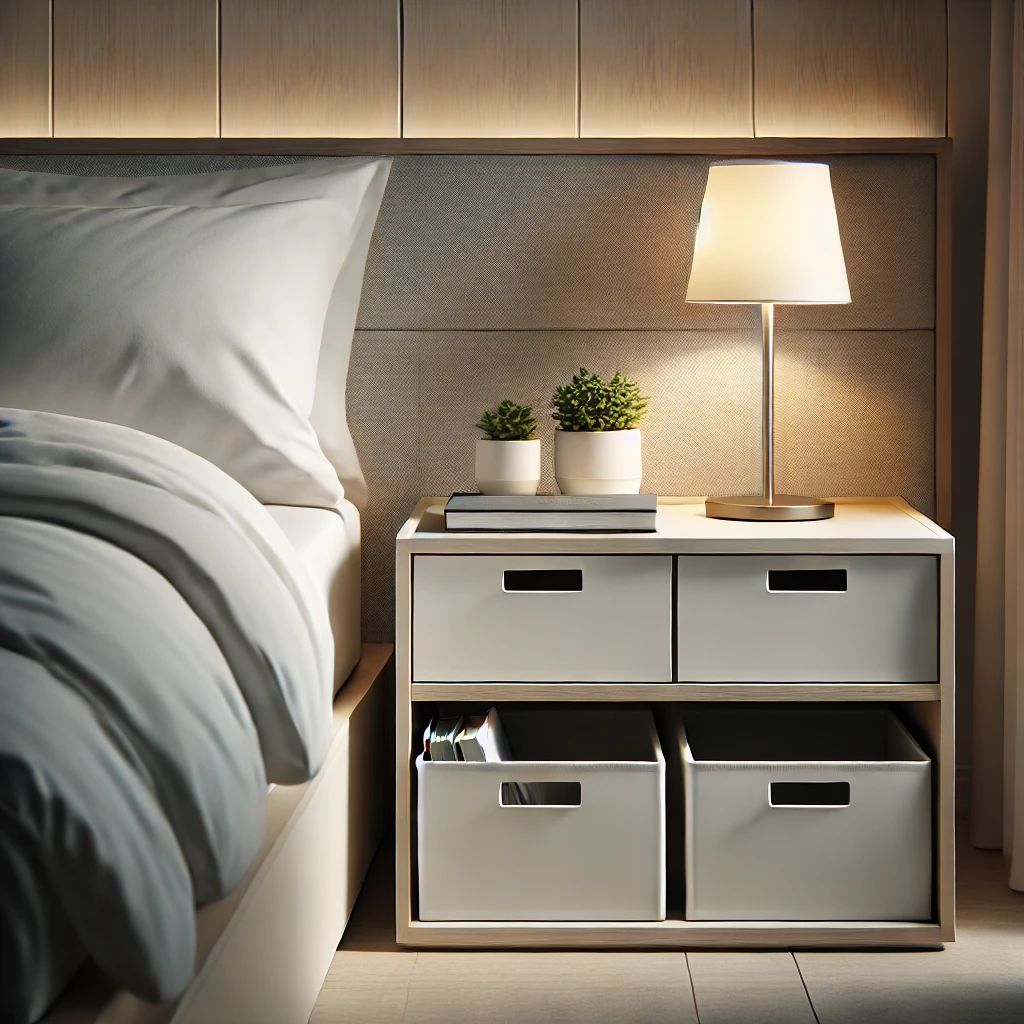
x=24 y=68
x=135 y=68
x=868 y=68
x=310 y=68
x=491 y=68
x=665 y=68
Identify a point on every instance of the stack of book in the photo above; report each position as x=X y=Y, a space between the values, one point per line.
x=467 y=738
x=569 y=513
x=476 y=738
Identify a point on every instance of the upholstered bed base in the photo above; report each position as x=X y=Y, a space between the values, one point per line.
x=264 y=950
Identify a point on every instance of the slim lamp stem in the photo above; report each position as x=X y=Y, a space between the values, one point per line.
x=769 y=505
x=767 y=402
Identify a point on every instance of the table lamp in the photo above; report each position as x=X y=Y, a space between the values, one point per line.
x=768 y=233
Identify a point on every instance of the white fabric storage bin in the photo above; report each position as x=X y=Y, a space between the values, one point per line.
x=542 y=618
x=808 y=618
x=805 y=814
x=597 y=856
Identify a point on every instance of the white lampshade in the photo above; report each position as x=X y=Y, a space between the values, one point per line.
x=768 y=233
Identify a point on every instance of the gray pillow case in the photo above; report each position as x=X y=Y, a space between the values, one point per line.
x=355 y=187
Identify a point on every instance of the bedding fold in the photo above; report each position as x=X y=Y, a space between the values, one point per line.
x=163 y=655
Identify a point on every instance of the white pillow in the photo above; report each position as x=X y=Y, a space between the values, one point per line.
x=354 y=185
x=201 y=325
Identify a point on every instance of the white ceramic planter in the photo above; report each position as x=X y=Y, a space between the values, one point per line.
x=598 y=462
x=507 y=467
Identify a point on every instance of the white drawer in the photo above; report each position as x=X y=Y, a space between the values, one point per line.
x=808 y=618
x=564 y=618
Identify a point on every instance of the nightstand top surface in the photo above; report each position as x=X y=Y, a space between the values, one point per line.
x=876 y=524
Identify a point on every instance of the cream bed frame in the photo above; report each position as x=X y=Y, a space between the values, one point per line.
x=263 y=951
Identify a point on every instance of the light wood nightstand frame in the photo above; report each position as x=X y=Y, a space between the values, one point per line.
x=683 y=529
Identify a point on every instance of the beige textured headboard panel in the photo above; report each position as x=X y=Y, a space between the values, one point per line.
x=600 y=242
x=495 y=276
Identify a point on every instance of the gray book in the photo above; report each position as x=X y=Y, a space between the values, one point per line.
x=483 y=739
x=569 y=513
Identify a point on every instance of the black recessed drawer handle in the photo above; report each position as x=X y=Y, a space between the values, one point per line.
x=542 y=581
x=813 y=581
x=809 y=794
x=541 y=794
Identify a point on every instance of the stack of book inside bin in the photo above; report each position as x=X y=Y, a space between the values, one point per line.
x=477 y=738
x=466 y=738
x=541 y=513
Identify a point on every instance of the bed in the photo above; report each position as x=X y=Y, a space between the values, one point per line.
x=265 y=949
x=328 y=544
x=190 y=716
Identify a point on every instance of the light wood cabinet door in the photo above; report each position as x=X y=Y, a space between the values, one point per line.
x=873 y=68
x=310 y=68
x=135 y=68
x=665 y=68
x=491 y=68
x=24 y=68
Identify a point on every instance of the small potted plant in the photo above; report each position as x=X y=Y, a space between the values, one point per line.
x=597 y=443
x=508 y=458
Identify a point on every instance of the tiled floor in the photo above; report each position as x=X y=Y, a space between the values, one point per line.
x=979 y=979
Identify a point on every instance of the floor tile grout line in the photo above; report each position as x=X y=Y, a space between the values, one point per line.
x=693 y=988
x=807 y=992
x=408 y=986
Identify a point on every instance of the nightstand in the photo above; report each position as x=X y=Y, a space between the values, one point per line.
x=857 y=608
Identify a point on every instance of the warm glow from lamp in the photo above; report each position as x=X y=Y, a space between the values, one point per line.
x=768 y=233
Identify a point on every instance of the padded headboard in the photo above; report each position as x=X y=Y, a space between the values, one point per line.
x=496 y=276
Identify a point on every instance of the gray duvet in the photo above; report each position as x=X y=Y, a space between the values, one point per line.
x=163 y=657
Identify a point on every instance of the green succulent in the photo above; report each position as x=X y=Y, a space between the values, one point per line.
x=588 y=403
x=509 y=422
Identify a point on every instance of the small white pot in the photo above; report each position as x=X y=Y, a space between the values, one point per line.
x=598 y=461
x=507 y=467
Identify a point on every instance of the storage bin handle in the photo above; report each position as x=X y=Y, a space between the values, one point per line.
x=563 y=795
x=808 y=794
x=542 y=581
x=807 y=581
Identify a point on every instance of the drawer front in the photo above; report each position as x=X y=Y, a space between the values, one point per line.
x=496 y=618
x=808 y=618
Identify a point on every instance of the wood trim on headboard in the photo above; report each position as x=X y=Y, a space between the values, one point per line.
x=444 y=147
x=940 y=148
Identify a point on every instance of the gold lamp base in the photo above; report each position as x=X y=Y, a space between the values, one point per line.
x=779 y=508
